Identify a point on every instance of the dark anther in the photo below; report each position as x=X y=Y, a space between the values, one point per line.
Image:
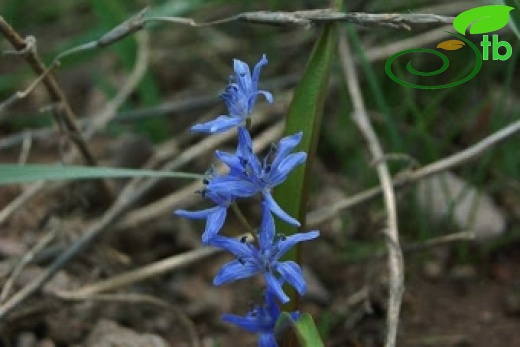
x=205 y=181
x=281 y=237
x=243 y=239
x=268 y=168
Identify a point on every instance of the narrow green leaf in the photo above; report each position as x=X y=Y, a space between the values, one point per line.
x=515 y=16
x=483 y=19
x=305 y=114
x=304 y=328
x=14 y=173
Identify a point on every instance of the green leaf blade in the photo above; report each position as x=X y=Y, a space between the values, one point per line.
x=305 y=114
x=14 y=173
x=304 y=328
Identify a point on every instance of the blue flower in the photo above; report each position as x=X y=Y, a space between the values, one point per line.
x=215 y=216
x=239 y=96
x=249 y=176
x=261 y=320
x=264 y=258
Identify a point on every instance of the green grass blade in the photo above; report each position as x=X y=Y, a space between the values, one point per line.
x=304 y=328
x=14 y=173
x=305 y=114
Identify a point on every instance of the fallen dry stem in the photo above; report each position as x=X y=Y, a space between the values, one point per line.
x=395 y=256
x=324 y=214
x=26 y=259
x=317 y=16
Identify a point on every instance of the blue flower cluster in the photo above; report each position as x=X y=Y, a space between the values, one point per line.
x=249 y=176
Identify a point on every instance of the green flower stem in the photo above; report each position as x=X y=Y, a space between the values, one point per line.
x=244 y=221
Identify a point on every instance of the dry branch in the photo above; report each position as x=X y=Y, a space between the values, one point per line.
x=318 y=16
x=395 y=254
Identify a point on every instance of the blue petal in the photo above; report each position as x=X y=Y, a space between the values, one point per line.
x=214 y=224
x=236 y=186
x=252 y=98
x=238 y=248
x=245 y=143
x=232 y=161
x=267 y=340
x=257 y=69
x=275 y=287
x=268 y=96
x=279 y=173
x=248 y=323
x=290 y=241
x=285 y=146
x=272 y=305
x=267 y=228
x=234 y=270
x=218 y=125
x=220 y=198
x=292 y=273
x=277 y=210
x=242 y=75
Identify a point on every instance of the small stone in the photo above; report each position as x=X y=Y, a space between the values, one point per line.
x=433 y=270
x=445 y=195
x=463 y=273
x=109 y=334
x=26 y=339
x=512 y=300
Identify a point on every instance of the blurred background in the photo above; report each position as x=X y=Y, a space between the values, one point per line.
x=460 y=293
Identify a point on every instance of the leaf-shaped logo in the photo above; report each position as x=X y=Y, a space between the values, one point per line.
x=483 y=19
x=451 y=45
x=515 y=16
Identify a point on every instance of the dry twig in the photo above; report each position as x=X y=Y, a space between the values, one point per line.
x=323 y=214
x=395 y=255
x=318 y=16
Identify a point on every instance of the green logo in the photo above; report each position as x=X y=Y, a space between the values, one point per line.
x=479 y=20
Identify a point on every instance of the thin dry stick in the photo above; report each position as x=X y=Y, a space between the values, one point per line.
x=323 y=214
x=318 y=16
x=420 y=40
x=20 y=200
x=63 y=113
x=109 y=111
x=395 y=255
x=149 y=271
x=26 y=259
x=19 y=95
